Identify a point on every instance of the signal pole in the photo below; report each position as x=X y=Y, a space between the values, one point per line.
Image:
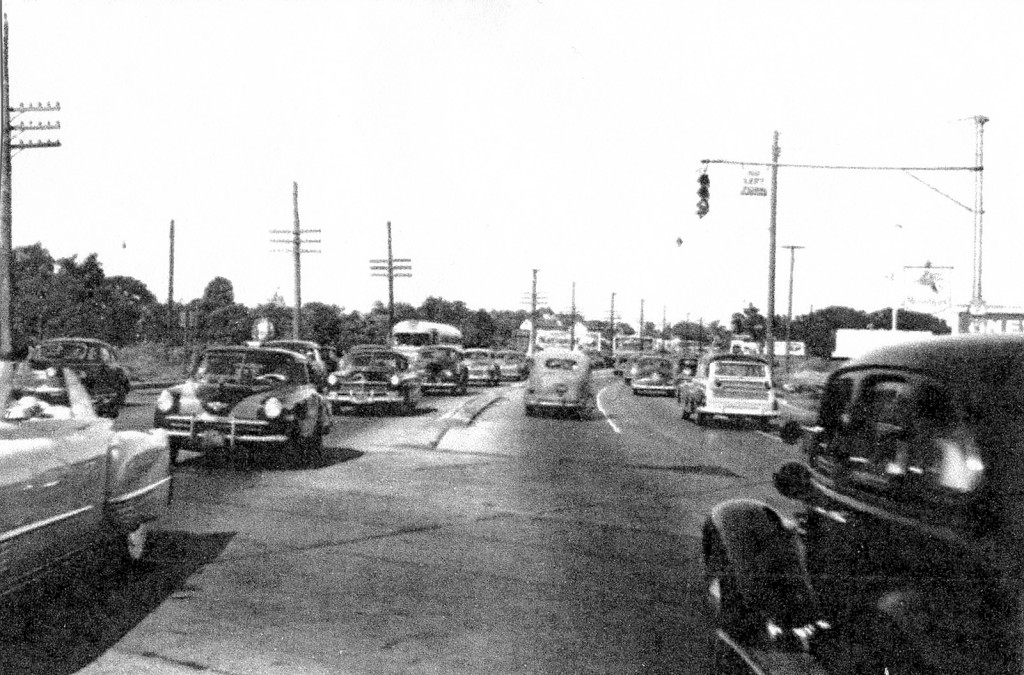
x=769 y=333
x=641 y=324
x=611 y=327
x=296 y=241
x=572 y=319
x=170 y=285
x=533 y=314
x=388 y=265
x=6 y=245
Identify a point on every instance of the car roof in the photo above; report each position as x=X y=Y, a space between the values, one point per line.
x=254 y=350
x=304 y=343
x=947 y=357
x=559 y=353
x=84 y=340
x=750 y=358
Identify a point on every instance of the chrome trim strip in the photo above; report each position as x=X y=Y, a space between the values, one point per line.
x=138 y=493
x=24 y=529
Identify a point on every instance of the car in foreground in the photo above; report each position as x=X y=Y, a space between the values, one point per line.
x=482 y=366
x=95 y=362
x=238 y=399
x=732 y=386
x=442 y=369
x=514 y=366
x=560 y=380
x=655 y=375
x=906 y=550
x=68 y=481
x=374 y=378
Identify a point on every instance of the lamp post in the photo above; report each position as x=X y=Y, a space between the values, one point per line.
x=789 y=311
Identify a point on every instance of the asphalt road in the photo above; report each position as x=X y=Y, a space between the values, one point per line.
x=423 y=544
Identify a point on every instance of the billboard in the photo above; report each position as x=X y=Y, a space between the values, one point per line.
x=927 y=288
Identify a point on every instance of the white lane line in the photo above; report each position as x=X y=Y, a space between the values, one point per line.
x=604 y=412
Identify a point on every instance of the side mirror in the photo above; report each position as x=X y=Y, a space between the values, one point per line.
x=793 y=480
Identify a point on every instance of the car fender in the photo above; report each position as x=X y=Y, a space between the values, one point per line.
x=138 y=477
x=767 y=556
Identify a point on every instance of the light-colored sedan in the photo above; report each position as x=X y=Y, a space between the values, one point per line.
x=514 y=365
x=482 y=366
x=560 y=380
x=67 y=479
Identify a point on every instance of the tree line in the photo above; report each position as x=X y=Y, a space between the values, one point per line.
x=71 y=297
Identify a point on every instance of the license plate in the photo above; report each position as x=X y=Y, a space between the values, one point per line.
x=212 y=439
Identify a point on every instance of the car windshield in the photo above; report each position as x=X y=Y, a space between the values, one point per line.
x=651 y=365
x=412 y=339
x=70 y=351
x=560 y=364
x=435 y=354
x=372 y=360
x=249 y=368
x=739 y=369
x=299 y=347
x=33 y=394
x=478 y=356
x=513 y=358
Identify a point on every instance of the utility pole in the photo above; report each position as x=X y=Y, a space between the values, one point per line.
x=789 y=312
x=533 y=315
x=572 y=319
x=642 y=324
x=296 y=241
x=170 y=285
x=769 y=333
x=6 y=145
x=388 y=266
x=611 y=327
x=664 y=325
x=976 y=301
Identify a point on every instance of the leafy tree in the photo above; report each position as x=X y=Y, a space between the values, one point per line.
x=32 y=297
x=480 y=329
x=321 y=322
x=231 y=324
x=908 y=320
x=218 y=293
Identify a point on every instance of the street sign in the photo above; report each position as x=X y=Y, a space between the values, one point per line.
x=753 y=184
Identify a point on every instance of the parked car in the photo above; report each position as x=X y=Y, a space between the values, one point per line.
x=735 y=386
x=482 y=366
x=237 y=399
x=68 y=481
x=560 y=380
x=324 y=360
x=907 y=554
x=442 y=369
x=655 y=375
x=95 y=362
x=514 y=365
x=372 y=378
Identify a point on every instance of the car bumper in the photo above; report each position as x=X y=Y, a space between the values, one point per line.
x=739 y=410
x=215 y=432
x=554 y=402
x=667 y=389
x=364 y=398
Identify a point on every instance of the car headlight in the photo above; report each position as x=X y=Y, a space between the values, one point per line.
x=332 y=379
x=395 y=380
x=272 y=408
x=447 y=373
x=165 y=401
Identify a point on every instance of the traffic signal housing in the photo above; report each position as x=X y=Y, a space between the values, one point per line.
x=703 y=194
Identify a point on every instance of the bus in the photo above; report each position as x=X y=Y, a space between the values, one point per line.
x=408 y=336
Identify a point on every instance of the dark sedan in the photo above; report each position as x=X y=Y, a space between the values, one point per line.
x=374 y=378
x=908 y=553
x=95 y=362
x=237 y=399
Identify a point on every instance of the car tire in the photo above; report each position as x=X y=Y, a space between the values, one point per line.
x=408 y=405
x=699 y=419
x=724 y=602
x=530 y=411
x=174 y=446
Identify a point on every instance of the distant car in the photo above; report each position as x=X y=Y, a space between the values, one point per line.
x=95 y=363
x=799 y=398
x=482 y=366
x=687 y=368
x=655 y=375
x=560 y=380
x=620 y=363
x=67 y=480
x=733 y=386
x=514 y=365
x=237 y=399
x=442 y=369
x=905 y=552
x=324 y=360
x=372 y=378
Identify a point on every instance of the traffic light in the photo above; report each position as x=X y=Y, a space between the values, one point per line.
x=703 y=194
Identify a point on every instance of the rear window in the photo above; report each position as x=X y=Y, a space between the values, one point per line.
x=560 y=364
x=739 y=369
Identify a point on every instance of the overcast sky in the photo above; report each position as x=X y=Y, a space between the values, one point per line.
x=499 y=137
